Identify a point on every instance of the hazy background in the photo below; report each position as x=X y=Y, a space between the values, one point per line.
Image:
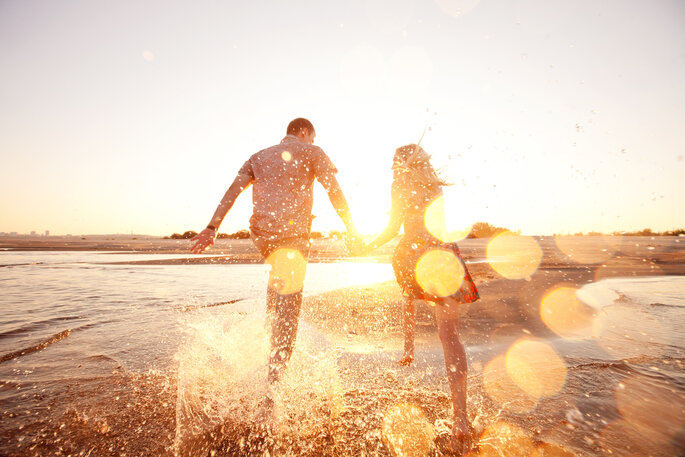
x=548 y=116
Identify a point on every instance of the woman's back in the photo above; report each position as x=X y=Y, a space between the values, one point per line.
x=417 y=192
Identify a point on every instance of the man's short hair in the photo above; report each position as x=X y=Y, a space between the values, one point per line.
x=296 y=125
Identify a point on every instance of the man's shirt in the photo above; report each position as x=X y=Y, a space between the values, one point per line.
x=283 y=181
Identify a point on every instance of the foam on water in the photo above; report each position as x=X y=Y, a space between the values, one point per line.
x=665 y=290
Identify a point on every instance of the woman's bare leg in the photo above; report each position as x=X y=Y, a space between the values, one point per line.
x=409 y=328
x=447 y=316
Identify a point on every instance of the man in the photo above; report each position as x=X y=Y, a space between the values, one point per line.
x=283 y=179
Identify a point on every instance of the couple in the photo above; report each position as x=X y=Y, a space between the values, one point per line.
x=283 y=178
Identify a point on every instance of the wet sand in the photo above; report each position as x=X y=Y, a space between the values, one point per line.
x=125 y=413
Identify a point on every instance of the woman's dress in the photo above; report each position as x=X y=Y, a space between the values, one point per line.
x=426 y=267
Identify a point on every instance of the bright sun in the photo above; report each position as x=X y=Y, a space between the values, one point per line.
x=369 y=218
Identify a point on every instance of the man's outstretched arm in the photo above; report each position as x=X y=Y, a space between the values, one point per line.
x=205 y=238
x=337 y=198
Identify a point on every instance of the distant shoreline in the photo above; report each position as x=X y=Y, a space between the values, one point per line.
x=633 y=256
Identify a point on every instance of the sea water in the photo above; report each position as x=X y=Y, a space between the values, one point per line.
x=102 y=357
x=130 y=313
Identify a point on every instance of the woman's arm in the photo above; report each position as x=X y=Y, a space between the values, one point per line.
x=393 y=227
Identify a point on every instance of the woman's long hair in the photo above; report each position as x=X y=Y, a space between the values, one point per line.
x=412 y=169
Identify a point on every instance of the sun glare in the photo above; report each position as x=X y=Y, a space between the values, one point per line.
x=287 y=270
x=514 y=256
x=439 y=273
x=436 y=223
x=406 y=431
x=368 y=218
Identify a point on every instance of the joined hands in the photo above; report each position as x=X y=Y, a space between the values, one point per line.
x=355 y=244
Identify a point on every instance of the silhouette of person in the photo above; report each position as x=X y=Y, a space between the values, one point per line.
x=282 y=177
x=429 y=268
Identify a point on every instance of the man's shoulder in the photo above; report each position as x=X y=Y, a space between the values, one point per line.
x=318 y=150
x=308 y=149
x=265 y=151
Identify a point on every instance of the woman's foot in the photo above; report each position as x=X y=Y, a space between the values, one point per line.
x=406 y=360
x=461 y=441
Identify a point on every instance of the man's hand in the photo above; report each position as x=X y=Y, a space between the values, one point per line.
x=354 y=243
x=203 y=240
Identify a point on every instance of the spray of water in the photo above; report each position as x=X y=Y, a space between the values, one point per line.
x=225 y=404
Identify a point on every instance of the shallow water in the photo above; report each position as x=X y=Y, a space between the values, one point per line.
x=103 y=359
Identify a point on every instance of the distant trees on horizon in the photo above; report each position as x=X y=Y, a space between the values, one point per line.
x=479 y=230
x=643 y=232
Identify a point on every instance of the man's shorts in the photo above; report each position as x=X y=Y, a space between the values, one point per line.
x=267 y=246
x=288 y=260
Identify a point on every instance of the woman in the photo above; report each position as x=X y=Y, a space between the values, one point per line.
x=429 y=268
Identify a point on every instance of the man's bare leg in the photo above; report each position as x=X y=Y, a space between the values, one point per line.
x=283 y=330
x=447 y=316
x=409 y=328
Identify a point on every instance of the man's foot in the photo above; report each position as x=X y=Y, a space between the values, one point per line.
x=406 y=360
x=265 y=413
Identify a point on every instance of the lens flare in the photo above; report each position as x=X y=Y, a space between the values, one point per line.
x=501 y=439
x=286 y=156
x=536 y=368
x=503 y=390
x=288 y=268
x=439 y=273
x=407 y=432
x=588 y=249
x=434 y=218
x=567 y=316
x=514 y=256
x=654 y=408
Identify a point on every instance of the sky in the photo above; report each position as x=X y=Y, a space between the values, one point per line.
x=547 y=116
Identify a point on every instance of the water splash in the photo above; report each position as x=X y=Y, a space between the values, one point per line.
x=225 y=403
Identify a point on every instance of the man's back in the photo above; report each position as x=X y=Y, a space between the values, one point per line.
x=283 y=177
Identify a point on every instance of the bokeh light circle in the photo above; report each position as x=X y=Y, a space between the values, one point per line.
x=536 y=368
x=286 y=156
x=503 y=439
x=514 y=256
x=288 y=267
x=406 y=431
x=435 y=221
x=567 y=316
x=439 y=272
x=503 y=390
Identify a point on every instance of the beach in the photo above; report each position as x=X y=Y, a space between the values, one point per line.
x=134 y=347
